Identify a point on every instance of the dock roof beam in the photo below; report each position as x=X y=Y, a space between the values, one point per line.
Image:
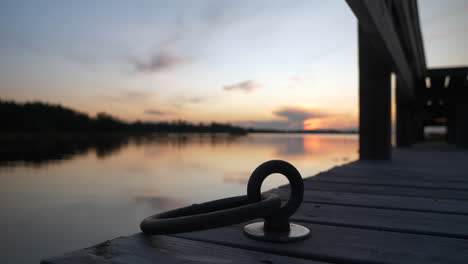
x=390 y=40
x=394 y=30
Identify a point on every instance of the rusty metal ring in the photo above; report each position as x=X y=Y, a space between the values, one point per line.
x=212 y=214
x=295 y=180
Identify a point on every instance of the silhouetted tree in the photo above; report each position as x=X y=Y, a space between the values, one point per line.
x=41 y=117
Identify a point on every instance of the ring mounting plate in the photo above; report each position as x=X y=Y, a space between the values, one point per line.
x=296 y=233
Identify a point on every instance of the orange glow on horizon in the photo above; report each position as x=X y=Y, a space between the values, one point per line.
x=312 y=124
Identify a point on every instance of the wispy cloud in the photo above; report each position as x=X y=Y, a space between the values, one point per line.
x=128 y=96
x=182 y=102
x=245 y=86
x=160 y=61
x=156 y=112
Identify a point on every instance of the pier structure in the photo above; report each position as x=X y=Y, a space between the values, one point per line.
x=395 y=205
x=390 y=42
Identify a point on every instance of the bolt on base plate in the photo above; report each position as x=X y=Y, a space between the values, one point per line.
x=296 y=233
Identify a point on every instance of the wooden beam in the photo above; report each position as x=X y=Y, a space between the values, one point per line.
x=410 y=34
x=442 y=72
x=377 y=22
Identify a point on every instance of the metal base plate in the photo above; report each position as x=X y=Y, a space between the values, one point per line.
x=296 y=233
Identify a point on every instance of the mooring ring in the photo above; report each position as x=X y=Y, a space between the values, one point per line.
x=277 y=227
x=212 y=214
x=295 y=181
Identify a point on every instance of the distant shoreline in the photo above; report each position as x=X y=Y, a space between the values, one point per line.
x=22 y=134
x=36 y=118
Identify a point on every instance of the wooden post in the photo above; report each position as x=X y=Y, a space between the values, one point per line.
x=459 y=90
x=374 y=102
x=451 y=124
x=461 y=133
x=404 y=136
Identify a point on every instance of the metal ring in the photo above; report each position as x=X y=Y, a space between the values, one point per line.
x=290 y=172
x=212 y=214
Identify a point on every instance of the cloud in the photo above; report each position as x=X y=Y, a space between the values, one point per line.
x=245 y=86
x=292 y=113
x=183 y=102
x=345 y=121
x=126 y=96
x=159 y=62
x=289 y=118
x=156 y=112
x=196 y=99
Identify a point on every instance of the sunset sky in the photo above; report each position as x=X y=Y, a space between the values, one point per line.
x=276 y=64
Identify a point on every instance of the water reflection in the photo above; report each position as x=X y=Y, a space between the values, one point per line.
x=33 y=150
x=159 y=203
x=82 y=191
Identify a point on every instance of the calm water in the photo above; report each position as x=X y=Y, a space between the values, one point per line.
x=60 y=197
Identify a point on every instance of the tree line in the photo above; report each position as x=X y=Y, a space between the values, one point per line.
x=32 y=117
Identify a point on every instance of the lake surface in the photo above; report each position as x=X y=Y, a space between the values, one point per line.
x=62 y=196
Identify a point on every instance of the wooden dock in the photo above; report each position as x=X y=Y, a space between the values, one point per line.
x=412 y=209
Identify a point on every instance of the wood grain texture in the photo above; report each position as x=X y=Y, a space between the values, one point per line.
x=411 y=222
x=348 y=245
x=141 y=249
x=388 y=190
x=417 y=204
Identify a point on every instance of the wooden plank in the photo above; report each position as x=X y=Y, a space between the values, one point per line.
x=417 y=204
x=396 y=174
x=395 y=183
x=140 y=249
x=440 y=160
x=452 y=172
x=388 y=181
x=348 y=245
x=434 y=224
x=377 y=21
x=388 y=190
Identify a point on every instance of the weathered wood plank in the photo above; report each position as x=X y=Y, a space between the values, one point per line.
x=427 y=184
x=417 y=204
x=394 y=176
x=140 y=249
x=434 y=224
x=416 y=173
x=348 y=245
x=452 y=168
x=422 y=159
x=388 y=190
